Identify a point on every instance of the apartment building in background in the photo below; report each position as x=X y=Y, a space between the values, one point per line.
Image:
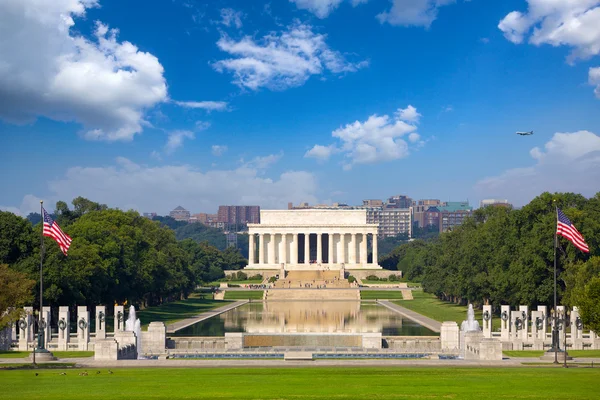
x=180 y=214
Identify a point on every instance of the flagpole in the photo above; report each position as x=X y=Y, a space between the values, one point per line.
x=555 y=327
x=40 y=329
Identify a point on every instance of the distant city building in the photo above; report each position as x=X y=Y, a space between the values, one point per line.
x=452 y=219
x=399 y=201
x=238 y=215
x=372 y=203
x=180 y=214
x=494 y=202
x=149 y=215
x=443 y=215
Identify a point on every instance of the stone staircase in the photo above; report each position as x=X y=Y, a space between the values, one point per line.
x=312 y=285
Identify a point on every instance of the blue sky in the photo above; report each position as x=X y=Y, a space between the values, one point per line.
x=150 y=105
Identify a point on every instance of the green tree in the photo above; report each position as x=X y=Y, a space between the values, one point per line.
x=15 y=238
x=15 y=293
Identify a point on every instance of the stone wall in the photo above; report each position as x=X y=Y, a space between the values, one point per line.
x=363 y=273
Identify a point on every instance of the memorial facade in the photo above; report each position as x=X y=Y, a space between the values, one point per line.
x=312 y=240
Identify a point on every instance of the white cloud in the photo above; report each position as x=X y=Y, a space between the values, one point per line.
x=322 y=8
x=320 y=152
x=28 y=205
x=572 y=23
x=281 y=60
x=47 y=69
x=204 y=105
x=230 y=17
x=202 y=125
x=218 y=150
x=263 y=162
x=175 y=140
x=569 y=162
x=412 y=12
x=378 y=139
x=128 y=185
x=594 y=79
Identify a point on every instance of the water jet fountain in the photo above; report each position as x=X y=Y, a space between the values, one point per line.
x=133 y=325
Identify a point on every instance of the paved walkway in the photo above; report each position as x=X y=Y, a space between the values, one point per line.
x=418 y=318
x=184 y=323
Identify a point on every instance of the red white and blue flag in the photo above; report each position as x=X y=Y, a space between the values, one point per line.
x=52 y=230
x=566 y=229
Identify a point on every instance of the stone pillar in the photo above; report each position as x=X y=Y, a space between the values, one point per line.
x=505 y=324
x=375 y=254
x=100 y=322
x=544 y=311
x=119 y=319
x=307 y=248
x=271 y=254
x=319 y=248
x=363 y=249
x=26 y=329
x=294 y=257
x=576 y=330
x=537 y=333
x=487 y=321
x=46 y=312
x=352 y=249
x=261 y=248
x=449 y=337
x=330 y=248
x=525 y=318
x=83 y=327
x=283 y=257
x=64 y=328
x=155 y=339
x=561 y=311
x=251 y=248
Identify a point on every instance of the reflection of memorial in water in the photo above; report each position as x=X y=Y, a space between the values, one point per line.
x=313 y=317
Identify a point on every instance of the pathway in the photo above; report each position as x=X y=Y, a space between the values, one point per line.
x=184 y=323
x=420 y=319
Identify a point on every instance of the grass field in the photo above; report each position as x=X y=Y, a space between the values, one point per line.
x=539 y=353
x=244 y=294
x=430 y=306
x=380 y=294
x=246 y=282
x=178 y=310
x=304 y=383
x=58 y=354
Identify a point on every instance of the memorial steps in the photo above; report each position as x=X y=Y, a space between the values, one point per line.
x=312 y=285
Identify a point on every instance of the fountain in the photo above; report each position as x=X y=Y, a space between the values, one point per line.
x=133 y=325
x=470 y=325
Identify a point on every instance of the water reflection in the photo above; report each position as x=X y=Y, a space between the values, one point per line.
x=308 y=316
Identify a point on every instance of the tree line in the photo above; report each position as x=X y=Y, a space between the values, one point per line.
x=115 y=256
x=506 y=256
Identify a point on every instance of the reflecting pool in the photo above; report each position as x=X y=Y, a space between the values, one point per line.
x=307 y=317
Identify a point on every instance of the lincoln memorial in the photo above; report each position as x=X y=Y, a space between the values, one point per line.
x=312 y=240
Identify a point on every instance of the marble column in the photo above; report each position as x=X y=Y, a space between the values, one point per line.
x=26 y=329
x=294 y=257
x=544 y=311
x=271 y=248
x=64 y=330
x=251 y=248
x=83 y=328
x=307 y=248
x=319 y=248
x=363 y=250
x=100 y=322
x=352 y=249
x=375 y=256
x=330 y=248
x=283 y=258
x=342 y=255
x=47 y=332
x=119 y=324
x=261 y=248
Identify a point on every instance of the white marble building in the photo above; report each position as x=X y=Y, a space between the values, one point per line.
x=312 y=239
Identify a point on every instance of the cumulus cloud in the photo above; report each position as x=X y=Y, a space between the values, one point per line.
x=594 y=79
x=412 y=12
x=281 y=60
x=230 y=17
x=377 y=139
x=204 y=105
x=128 y=185
x=28 y=205
x=175 y=140
x=322 y=8
x=569 y=162
x=572 y=23
x=47 y=69
x=218 y=150
x=263 y=162
x=202 y=125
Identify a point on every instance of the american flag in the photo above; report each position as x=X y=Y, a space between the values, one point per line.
x=51 y=229
x=565 y=228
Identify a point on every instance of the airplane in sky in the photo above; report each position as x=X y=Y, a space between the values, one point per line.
x=525 y=133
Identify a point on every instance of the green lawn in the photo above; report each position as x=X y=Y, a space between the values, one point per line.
x=246 y=282
x=59 y=354
x=244 y=294
x=430 y=306
x=178 y=310
x=380 y=294
x=539 y=353
x=304 y=383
